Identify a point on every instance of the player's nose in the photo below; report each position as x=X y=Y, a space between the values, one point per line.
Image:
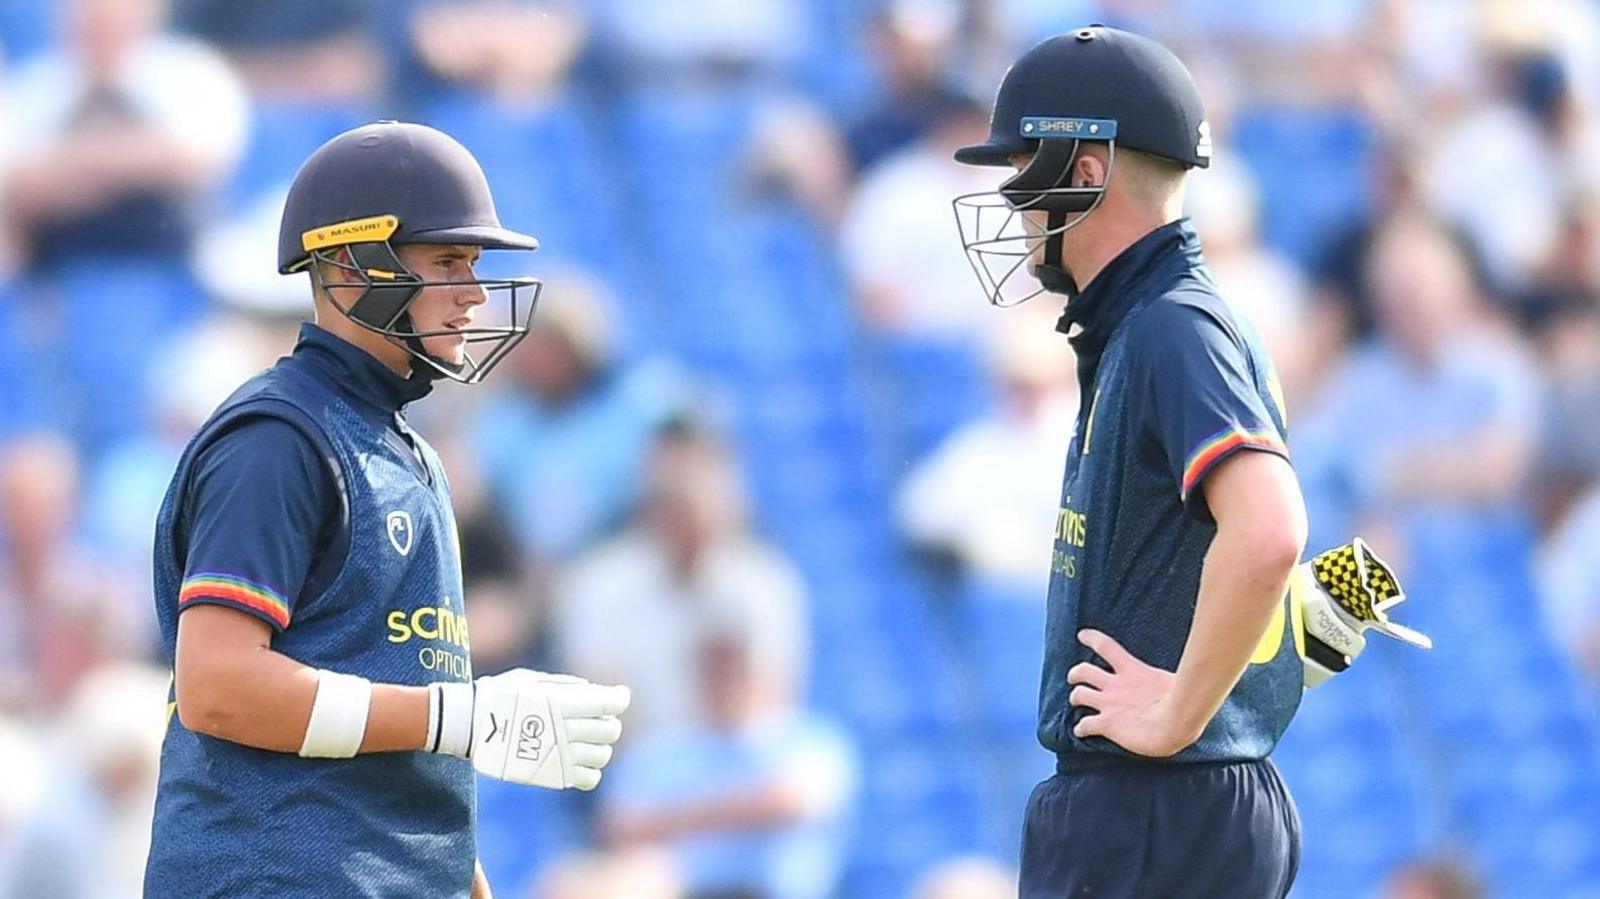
x=470 y=295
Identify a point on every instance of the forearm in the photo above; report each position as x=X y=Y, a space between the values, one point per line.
x=263 y=699
x=480 y=882
x=1483 y=469
x=772 y=806
x=1240 y=589
x=82 y=172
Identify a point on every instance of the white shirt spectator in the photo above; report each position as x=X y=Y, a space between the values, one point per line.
x=1568 y=572
x=986 y=493
x=181 y=85
x=902 y=250
x=1495 y=145
x=697 y=767
x=624 y=616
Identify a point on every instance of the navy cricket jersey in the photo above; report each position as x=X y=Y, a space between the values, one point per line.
x=307 y=502
x=1173 y=383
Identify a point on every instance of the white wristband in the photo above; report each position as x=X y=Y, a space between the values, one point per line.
x=338 y=716
x=430 y=739
x=450 y=719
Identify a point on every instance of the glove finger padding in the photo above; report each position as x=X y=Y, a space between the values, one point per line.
x=594 y=730
x=588 y=755
x=588 y=700
x=1338 y=596
x=585 y=779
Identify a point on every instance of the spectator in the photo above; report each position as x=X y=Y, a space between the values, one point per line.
x=318 y=50
x=196 y=371
x=236 y=260
x=506 y=585
x=1569 y=450
x=28 y=771
x=897 y=236
x=636 y=875
x=1266 y=288
x=967 y=878
x=563 y=443
x=635 y=610
x=114 y=138
x=1310 y=54
x=1445 y=403
x=751 y=799
x=1568 y=574
x=913 y=42
x=513 y=50
x=1502 y=138
x=982 y=501
x=796 y=151
x=1344 y=306
x=60 y=611
x=1433 y=880
x=1564 y=304
x=701 y=41
x=90 y=839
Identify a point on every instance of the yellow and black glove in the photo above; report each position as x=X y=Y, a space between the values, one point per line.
x=1336 y=598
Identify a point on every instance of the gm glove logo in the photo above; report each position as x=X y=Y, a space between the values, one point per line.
x=399 y=527
x=530 y=744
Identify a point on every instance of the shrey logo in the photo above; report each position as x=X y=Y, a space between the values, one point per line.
x=399 y=528
x=1203 y=147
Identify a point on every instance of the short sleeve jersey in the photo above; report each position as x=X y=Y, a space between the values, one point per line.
x=1173 y=383
x=306 y=501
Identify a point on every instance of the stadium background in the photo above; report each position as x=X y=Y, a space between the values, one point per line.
x=744 y=211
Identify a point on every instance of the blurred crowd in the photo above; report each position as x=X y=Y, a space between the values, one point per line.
x=767 y=456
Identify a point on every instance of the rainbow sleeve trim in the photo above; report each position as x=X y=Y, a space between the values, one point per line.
x=238 y=591
x=1217 y=446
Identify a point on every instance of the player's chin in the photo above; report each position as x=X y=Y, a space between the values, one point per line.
x=452 y=350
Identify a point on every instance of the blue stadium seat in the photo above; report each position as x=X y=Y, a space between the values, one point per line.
x=926 y=389
x=26 y=27
x=520 y=831
x=548 y=170
x=282 y=135
x=1295 y=154
x=113 y=314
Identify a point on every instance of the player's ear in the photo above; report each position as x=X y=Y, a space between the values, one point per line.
x=333 y=270
x=1088 y=170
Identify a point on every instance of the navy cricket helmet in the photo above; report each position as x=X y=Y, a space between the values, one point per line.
x=387 y=184
x=1096 y=84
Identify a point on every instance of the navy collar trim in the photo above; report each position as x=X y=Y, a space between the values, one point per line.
x=1115 y=290
x=356 y=374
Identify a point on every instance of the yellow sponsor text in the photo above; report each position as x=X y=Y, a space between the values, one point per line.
x=1072 y=527
x=430 y=623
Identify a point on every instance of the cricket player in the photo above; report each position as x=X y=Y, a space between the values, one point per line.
x=1177 y=644
x=324 y=724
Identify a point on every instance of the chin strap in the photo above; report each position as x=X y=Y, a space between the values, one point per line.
x=1052 y=274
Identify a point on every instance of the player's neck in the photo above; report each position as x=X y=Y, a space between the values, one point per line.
x=1093 y=245
x=393 y=357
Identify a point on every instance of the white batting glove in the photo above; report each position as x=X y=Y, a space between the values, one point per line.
x=545 y=730
x=1340 y=595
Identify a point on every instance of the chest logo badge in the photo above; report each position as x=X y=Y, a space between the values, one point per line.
x=399 y=529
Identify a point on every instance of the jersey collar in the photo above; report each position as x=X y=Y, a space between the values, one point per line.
x=356 y=374
x=1117 y=289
